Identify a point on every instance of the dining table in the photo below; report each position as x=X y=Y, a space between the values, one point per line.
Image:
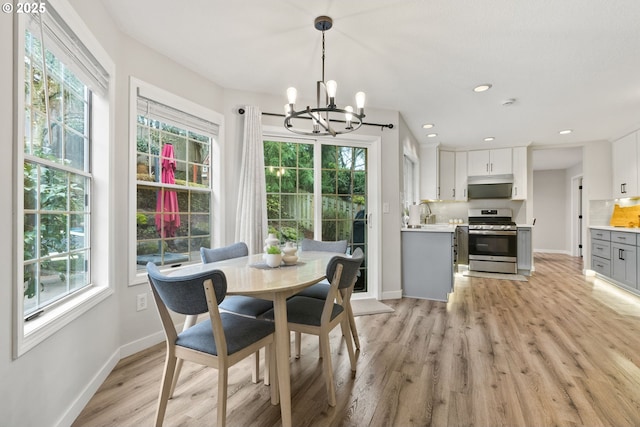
x=250 y=276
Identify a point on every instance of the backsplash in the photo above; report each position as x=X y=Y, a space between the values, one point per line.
x=600 y=210
x=445 y=211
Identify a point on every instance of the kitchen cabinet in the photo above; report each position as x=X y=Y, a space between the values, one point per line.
x=447 y=176
x=601 y=252
x=461 y=176
x=624 y=260
x=428 y=173
x=490 y=162
x=525 y=252
x=520 y=171
x=624 y=153
x=427 y=264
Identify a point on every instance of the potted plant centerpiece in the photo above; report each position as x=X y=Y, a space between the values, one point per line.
x=274 y=256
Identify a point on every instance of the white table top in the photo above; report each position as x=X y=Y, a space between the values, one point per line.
x=245 y=279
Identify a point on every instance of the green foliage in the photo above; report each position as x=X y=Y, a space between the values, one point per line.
x=273 y=250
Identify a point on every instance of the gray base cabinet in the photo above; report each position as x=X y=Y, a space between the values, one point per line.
x=427 y=264
x=615 y=254
x=524 y=251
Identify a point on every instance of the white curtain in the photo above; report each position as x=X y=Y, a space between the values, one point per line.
x=251 y=223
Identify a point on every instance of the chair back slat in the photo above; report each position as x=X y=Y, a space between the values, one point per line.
x=235 y=250
x=339 y=246
x=185 y=294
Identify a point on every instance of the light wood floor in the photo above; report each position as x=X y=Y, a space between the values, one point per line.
x=558 y=350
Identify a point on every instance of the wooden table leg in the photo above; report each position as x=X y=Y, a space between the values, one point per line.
x=282 y=355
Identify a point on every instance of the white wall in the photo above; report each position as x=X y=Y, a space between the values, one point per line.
x=550 y=210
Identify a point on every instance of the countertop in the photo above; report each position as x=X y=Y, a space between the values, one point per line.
x=611 y=228
x=433 y=228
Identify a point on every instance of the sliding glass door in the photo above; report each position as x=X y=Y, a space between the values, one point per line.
x=318 y=190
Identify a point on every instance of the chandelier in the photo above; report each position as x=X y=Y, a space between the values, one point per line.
x=324 y=118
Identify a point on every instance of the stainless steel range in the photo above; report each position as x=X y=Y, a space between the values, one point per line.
x=493 y=241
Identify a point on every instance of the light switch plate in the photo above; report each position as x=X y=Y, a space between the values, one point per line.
x=385 y=207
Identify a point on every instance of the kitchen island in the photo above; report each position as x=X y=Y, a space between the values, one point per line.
x=428 y=262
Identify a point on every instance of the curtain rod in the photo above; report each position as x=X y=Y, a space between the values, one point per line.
x=390 y=125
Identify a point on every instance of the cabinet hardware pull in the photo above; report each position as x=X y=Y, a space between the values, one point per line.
x=454 y=193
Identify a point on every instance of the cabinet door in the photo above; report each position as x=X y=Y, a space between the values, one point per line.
x=478 y=162
x=428 y=173
x=625 y=166
x=447 y=175
x=501 y=161
x=519 y=191
x=461 y=176
x=524 y=249
x=623 y=264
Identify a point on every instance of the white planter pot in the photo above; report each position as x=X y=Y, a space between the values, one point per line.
x=273 y=260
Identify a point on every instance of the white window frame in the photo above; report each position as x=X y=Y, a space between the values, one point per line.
x=162 y=96
x=410 y=178
x=27 y=335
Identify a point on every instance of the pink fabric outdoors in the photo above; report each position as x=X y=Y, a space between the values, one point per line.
x=167 y=218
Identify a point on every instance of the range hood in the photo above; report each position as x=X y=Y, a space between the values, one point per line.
x=490 y=187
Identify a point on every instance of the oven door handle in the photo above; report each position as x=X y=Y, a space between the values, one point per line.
x=494 y=232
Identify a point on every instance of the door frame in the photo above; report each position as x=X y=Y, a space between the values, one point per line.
x=374 y=186
x=577 y=209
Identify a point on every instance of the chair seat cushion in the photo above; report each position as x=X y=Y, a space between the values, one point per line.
x=319 y=291
x=239 y=331
x=305 y=311
x=246 y=306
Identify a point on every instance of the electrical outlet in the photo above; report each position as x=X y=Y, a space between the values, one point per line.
x=141 y=302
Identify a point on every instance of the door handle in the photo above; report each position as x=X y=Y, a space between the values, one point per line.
x=454 y=193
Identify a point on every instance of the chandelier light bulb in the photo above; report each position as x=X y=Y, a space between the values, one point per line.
x=360 y=97
x=348 y=116
x=291 y=95
x=332 y=87
x=287 y=109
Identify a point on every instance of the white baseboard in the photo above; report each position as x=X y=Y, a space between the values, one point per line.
x=143 y=343
x=392 y=295
x=552 y=251
x=83 y=399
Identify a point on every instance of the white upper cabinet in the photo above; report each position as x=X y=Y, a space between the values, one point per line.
x=490 y=162
x=519 y=190
x=461 y=176
x=447 y=175
x=625 y=166
x=428 y=173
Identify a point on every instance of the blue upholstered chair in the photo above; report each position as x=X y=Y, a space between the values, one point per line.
x=240 y=304
x=318 y=317
x=219 y=342
x=321 y=289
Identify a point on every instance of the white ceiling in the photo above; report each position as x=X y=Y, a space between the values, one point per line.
x=568 y=63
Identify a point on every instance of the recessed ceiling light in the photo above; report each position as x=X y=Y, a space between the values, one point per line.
x=483 y=87
x=565 y=132
x=432 y=135
x=489 y=138
x=428 y=125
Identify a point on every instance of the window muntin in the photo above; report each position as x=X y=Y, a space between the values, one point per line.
x=57 y=179
x=289 y=178
x=166 y=235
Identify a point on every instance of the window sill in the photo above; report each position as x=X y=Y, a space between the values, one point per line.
x=53 y=319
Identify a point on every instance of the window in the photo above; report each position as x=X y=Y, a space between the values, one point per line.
x=63 y=122
x=409 y=181
x=174 y=168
